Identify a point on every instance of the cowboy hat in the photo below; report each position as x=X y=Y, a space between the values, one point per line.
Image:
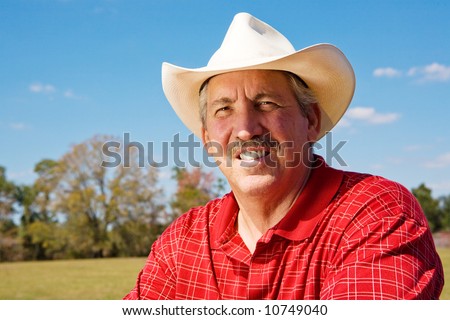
x=252 y=44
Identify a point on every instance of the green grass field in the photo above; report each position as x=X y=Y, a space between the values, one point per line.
x=89 y=279
x=445 y=257
x=102 y=279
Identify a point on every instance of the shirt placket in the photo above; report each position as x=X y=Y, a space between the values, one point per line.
x=258 y=285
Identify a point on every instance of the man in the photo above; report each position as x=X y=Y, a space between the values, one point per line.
x=292 y=227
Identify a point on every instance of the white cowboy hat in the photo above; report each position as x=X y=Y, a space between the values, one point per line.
x=253 y=44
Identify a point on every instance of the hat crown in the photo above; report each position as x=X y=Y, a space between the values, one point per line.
x=247 y=39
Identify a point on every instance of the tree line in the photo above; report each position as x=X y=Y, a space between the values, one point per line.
x=77 y=208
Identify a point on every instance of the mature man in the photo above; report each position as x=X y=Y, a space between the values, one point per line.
x=292 y=227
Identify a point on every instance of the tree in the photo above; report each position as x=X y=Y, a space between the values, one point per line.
x=430 y=206
x=42 y=237
x=9 y=244
x=25 y=198
x=445 y=212
x=134 y=202
x=194 y=188
x=7 y=195
x=106 y=211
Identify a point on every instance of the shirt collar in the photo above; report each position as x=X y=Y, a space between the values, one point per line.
x=223 y=228
x=300 y=221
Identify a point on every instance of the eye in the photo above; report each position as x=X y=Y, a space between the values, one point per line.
x=267 y=105
x=222 y=111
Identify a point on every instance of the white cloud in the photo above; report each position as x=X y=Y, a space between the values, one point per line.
x=69 y=94
x=414 y=148
x=370 y=115
x=18 y=126
x=387 y=72
x=441 y=161
x=42 y=88
x=344 y=123
x=432 y=72
x=50 y=90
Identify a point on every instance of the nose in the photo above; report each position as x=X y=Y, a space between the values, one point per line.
x=247 y=123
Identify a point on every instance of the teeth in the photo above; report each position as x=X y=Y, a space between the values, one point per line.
x=252 y=155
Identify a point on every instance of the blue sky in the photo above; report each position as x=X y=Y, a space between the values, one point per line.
x=71 y=69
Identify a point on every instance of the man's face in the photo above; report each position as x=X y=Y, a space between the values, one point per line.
x=256 y=131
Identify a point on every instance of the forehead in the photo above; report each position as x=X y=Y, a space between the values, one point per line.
x=267 y=80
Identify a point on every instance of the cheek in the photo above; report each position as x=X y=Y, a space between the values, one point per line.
x=218 y=138
x=287 y=128
x=218 y=130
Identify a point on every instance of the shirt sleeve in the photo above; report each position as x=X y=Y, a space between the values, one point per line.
x=387 y=251
x=157 y=280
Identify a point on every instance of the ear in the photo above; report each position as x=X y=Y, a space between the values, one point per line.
x=206 y=140
x=314 y=122
x=205 y=136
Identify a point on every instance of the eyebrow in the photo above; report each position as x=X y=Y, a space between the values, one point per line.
x=221 y=101
x=261 y=96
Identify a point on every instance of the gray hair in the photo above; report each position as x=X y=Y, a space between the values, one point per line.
x=305 y=96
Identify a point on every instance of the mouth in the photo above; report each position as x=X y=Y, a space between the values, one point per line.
x=252 y=154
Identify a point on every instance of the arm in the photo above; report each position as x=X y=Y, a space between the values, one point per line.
x=387 y=251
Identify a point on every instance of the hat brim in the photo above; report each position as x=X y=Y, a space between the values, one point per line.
x=323 y=67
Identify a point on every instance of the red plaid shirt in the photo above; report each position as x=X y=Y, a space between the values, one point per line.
x=348 y=236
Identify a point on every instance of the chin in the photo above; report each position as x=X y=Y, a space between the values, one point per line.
x=255 y=185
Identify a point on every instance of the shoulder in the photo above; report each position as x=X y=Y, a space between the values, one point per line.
x=193 y=223
x=201 y=215
x=379 y=196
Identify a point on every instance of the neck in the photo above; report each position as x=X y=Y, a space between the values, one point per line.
x=257 y=214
